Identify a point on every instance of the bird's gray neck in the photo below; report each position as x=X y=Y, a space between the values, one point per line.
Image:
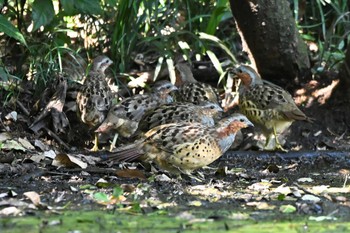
x=209 y=121
x=226 y=142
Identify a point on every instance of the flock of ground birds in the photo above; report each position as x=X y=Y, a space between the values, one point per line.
x=182 y=128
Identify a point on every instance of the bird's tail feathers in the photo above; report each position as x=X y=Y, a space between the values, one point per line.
x=299 y=115
x=127 y=153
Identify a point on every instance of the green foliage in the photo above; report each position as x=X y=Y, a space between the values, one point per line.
x=43 y=13
x=10 y=30
x=123 y=28
x=220 y=10
x=101 y=197
x=325 y=23
x=117 y=192
x=170 y=29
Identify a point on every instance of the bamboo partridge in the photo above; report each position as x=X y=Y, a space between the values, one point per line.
x=206 y=113
x=94 y=99
x=267 y=105
x=184 y=147
x=191 y=90
x=125 y=116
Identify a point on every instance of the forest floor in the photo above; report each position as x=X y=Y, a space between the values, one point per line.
x=309 y=183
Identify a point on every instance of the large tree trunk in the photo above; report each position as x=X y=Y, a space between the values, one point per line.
x=270 y=32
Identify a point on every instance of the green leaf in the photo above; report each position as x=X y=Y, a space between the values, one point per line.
x=117 y=192
x=43 y=13
x=215 y=20
x=158 y=68
x=222 y=76
x=3 y=75
x=215 y=61
x=205 y=36
x=171 y=69
x=10 y=30
x=102 y=197
x=92 y=7
x=68 y=7
x=281 y=197
x=287 y=209
x=136 y=208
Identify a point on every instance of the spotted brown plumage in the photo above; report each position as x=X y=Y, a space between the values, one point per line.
x=267 y=105
x=206 y=113
x=94 y=99
x=125 y=116
x=184 y=147
x=198 y=92
x=191 y=90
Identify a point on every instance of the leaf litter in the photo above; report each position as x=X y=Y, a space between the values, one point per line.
x=241 y=185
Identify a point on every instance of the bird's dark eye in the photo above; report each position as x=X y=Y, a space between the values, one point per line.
x=212 y=107
x=241 y=120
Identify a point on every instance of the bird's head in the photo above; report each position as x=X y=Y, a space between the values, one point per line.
x=101 y=63
x=247 y=75
x=164 y=86
x=211 y=108
x=234 y=123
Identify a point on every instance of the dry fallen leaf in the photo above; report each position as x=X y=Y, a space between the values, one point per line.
x=4 y=136
x=283 y=190
x=311 y=198
x=10 y=211
x=68 y=161
x=305 y=179
x=12 y=145
x=26 y=143
x=261 y=205
x=34 y=197
x=50 y=154
x=11 y=116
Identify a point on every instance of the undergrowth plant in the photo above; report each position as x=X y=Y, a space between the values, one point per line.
x=327 y=24
x=117 y=27
x=178 y=28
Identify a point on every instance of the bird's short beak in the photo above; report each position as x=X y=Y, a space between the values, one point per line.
x=250 y=124
x=173 y=88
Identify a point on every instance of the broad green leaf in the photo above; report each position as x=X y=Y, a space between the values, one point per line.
x=205 y=36
x=287 y=209
x=215 y=20
x=101 y=197
x=3 y=75
x=171 y=69
x=68 y=7
x=43 y=13
x=2 y=2
x=215 y=61
x=117 y=191
x=222 y=76
x=92 y=7
x=10 y=30
x=158 y=68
